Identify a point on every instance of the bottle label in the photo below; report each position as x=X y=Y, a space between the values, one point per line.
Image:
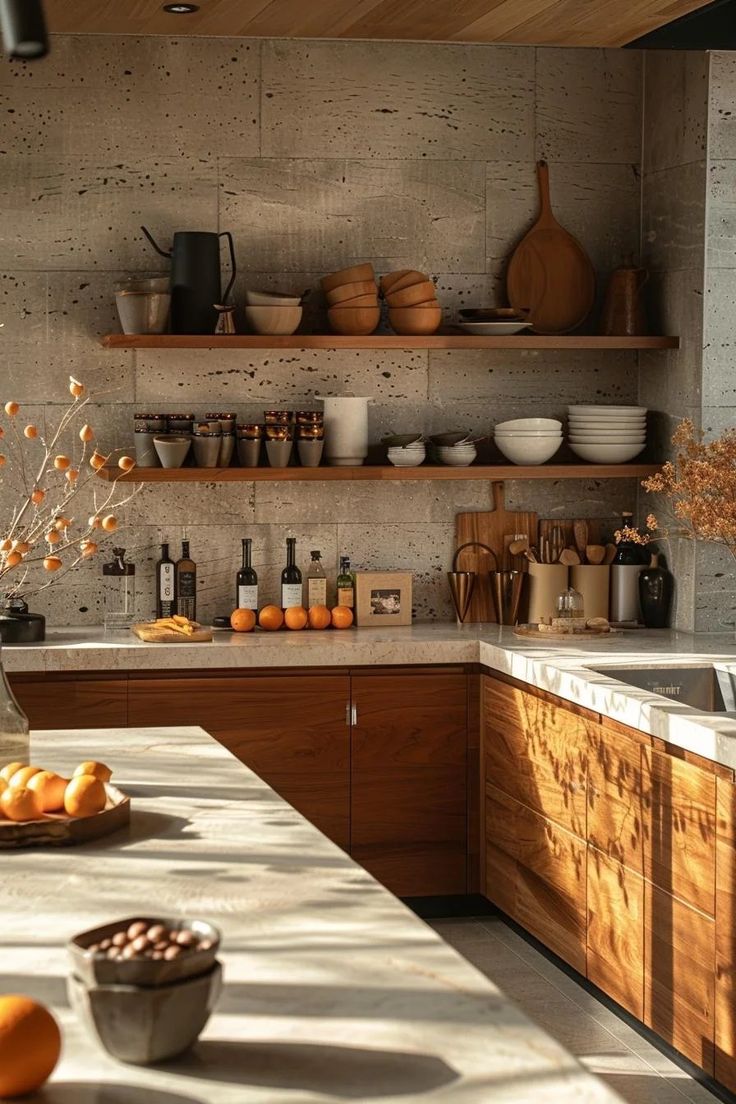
x=187 y=584
x=166 y=582
x=317 y=592
x=345 y=596
x=291 y=595
x=247 y=597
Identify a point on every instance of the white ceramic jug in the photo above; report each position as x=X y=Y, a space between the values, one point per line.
x=346 y=429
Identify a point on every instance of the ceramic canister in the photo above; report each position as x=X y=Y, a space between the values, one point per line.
x=346 y=429
x=593 y=582
x=625 y=592
x=546 y=583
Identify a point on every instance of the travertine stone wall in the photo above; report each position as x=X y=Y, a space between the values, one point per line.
x=314 y=155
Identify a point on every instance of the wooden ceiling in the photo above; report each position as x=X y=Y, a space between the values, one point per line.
x=543 y=22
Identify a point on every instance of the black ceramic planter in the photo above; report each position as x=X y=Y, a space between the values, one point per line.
x=22 y=628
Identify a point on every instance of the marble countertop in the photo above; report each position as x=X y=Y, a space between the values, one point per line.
x=565 y=669
x=333 y=989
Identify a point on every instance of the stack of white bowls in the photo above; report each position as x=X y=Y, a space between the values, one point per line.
x=460 y=455
x=607 y=434
x=407 y=456
x=529 y=441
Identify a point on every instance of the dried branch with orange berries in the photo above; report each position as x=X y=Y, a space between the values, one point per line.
x=42 y=531
x=700 y=484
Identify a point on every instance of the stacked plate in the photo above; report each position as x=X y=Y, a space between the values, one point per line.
x=607 y=434
x=528 y=440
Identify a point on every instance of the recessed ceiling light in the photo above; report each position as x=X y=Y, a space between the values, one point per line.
x=181 y=9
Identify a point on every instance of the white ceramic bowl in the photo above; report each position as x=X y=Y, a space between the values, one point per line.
x=457 y=458
x=608 y=411
x=530 y=434
x=406 y=458
x=274 y=321
x=609 y=427
x=606 y=454
x=529 y=425
x=528 y=450
x=608 y=438
x=257 y=298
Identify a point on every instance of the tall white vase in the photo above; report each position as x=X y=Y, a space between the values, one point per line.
x=346 y=429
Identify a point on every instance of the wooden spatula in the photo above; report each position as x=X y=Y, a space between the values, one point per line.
x=549 y=271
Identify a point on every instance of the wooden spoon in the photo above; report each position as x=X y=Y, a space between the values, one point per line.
x=595 y=553
x=581 y=537
x=610 y=554
x=569 y=557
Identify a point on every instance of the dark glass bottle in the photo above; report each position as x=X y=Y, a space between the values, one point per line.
x=291 y=578
x=186 y=584
x=246 y=583
x=656 y=587
x=165 y=584
x=345 y=584
x=628 y=552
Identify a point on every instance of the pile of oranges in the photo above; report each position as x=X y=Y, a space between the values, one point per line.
x=27 y=793
x=272 y=618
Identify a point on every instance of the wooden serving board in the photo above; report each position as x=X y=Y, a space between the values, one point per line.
x=60 y=830
x=153 y=635
x=493 y=527
x=533 y=631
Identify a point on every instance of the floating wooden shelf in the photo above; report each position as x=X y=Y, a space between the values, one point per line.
x=381 y=472
x=450 y=340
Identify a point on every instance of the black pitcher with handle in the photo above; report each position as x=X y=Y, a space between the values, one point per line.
x=195 y=279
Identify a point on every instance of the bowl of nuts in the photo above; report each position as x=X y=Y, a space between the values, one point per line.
x=144 y=951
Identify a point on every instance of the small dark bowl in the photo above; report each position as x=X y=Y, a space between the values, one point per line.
x=96 y=969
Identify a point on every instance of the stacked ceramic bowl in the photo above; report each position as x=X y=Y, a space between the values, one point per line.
x=457 y=449
x=352 y=300
x=528 y=441
x=412 y=302
x=272 y=312
x=405 y=450
x=607 y=434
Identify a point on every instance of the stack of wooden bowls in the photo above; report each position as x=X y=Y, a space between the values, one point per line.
x=352 y=300
x=412 y=302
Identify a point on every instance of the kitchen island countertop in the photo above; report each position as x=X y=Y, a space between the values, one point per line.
x=333 y=988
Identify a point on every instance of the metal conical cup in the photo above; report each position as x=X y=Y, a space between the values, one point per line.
x=506 y=588
x=462 y=585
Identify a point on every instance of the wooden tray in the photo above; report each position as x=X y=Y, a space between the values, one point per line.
x=60 y=830
x=148 y=632
x=533 y=631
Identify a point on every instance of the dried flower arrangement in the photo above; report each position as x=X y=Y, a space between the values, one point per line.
x=629 y=534
x=701 y=485
x=42 y=537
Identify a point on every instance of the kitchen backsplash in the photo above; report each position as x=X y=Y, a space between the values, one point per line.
x=314 y=155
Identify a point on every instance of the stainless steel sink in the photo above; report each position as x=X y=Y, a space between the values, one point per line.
x=710 y=688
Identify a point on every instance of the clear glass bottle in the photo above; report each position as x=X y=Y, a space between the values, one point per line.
x=246 y=582
x=345 y=584
x=119 y=575
x=291 y=578
x=316 y=582
x=15 y=742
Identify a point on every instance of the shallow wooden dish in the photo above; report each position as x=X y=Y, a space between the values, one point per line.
x=346 y=292
x=352 y=275
x=412 y=296
x=533 y=631
x=60 y=830
x=149 y=632
x=403 y=277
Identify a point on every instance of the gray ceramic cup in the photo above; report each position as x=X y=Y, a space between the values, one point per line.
x=227 y=448
x=249 y=452
x=279 y=453
x=172 y=449
x=206 y=451
x=310 y=453
x=145 y=450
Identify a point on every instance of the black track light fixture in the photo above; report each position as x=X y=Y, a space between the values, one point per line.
x=24 y=28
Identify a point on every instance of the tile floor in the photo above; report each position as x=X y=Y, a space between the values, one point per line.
x=600 y=1039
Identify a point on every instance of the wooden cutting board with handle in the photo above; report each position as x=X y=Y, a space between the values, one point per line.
x=493 y=528
x=549 y=271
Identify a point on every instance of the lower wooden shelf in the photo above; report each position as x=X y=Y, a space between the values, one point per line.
x=380 y=472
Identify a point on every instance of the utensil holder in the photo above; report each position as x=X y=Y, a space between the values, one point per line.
x=546 y=582
x=506 y=589
x=462 y=583
x=625 y=592
x=593 y=581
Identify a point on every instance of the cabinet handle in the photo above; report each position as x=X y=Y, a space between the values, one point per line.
x=351 y=715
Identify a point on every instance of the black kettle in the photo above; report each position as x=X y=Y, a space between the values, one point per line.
x=195 y=279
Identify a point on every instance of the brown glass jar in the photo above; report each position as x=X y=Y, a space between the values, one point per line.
x=277 y=417
x=250 y=431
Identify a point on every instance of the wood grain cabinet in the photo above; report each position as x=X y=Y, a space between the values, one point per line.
x=725 y=995
x=72 y=701
x=615 y=930
x=291 y=729
x=614 y=792
x=408 y=779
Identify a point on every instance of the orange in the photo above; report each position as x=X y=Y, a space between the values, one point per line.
x=49 y=789
x=342 y=617
x=23 y=776
x=84 y=796
x=97 y=770
x=271 y=618
x=296 y=617
x=19 y=803
x=319 y=617
x=9 y=770
x=3 y=786
x=30 y=1045
x=243 y=620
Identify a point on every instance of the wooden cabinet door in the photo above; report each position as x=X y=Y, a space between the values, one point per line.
x=536 y=872
x=616 y=931
x=408 y=780
x=679 y=982
x=614 y=795
x=725 y=1060
x=290 y=729
x=535 y=752
x=80 y=701
x=679 y=818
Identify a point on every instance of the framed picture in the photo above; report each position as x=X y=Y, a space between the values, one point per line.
x=383 y=598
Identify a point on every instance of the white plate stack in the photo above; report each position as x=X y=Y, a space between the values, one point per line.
x=607 y=434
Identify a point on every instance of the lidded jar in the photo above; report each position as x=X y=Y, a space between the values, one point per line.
x=571 y=608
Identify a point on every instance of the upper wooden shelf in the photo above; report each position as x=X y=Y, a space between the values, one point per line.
x=383 y=341
x=381 y=472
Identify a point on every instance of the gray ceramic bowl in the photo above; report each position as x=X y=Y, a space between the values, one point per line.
x=142 y=1025
x=96 y=969
x=171 y=449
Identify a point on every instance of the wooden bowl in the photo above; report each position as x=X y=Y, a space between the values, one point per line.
x=411 y=296
x=348 y=276
x=351 y=291
x=359 y=301
x=354 y=321
x=415 y=320
x=60 y=830
x=404 y=277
